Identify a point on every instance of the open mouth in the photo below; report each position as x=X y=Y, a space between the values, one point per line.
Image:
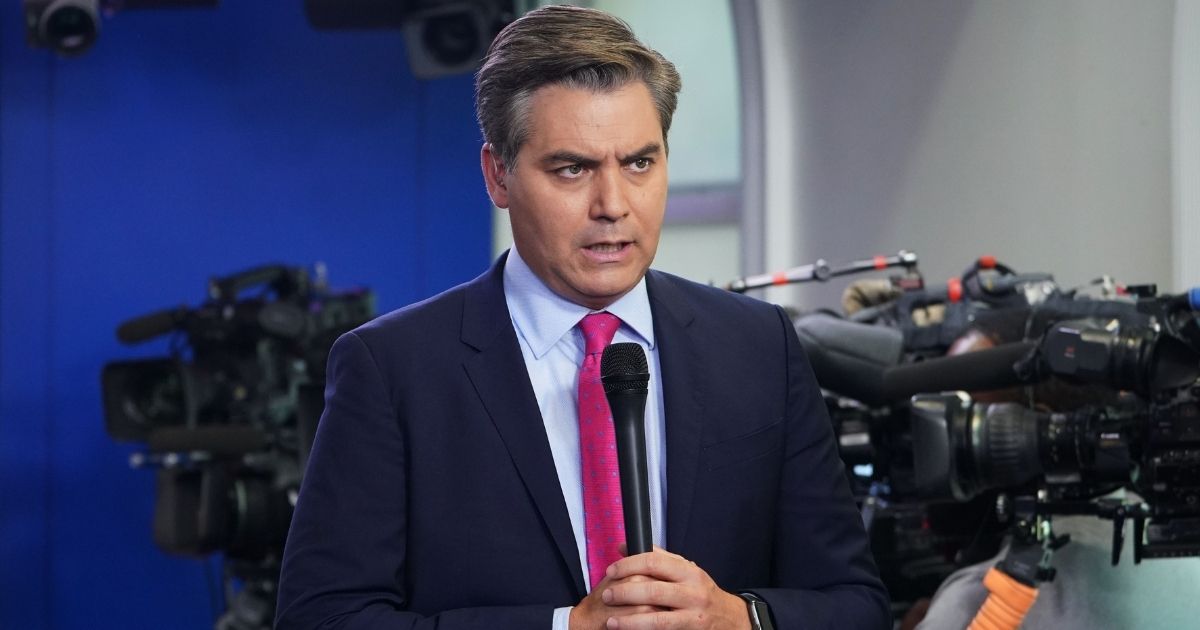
x=608 y=253
x=607 y=248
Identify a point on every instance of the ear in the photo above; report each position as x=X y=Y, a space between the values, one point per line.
x=494 y=173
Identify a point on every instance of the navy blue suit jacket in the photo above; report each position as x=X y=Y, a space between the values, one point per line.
x=431 y=498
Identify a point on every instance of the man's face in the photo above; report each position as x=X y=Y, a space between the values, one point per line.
x=588 y=192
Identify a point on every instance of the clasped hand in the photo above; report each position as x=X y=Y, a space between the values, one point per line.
x=658 y=590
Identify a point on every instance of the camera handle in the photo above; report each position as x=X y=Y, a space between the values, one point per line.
x=1013 y=583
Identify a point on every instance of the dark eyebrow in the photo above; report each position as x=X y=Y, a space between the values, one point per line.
x=645 y=151
x=570 y=157
x=567 y=157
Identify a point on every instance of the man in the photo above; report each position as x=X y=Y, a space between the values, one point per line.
x=457 y=478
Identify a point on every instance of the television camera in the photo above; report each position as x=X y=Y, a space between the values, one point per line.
x=1079 y=396
x=228 y=417
x=1138 y=430
x=1145 y=437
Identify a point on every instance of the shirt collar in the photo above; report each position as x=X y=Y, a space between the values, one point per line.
x=542 y=317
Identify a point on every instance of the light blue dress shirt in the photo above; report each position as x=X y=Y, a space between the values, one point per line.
x=553 y=350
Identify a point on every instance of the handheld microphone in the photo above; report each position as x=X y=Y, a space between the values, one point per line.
x=626 y=376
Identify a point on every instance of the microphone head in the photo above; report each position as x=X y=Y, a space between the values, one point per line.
x=623 y=367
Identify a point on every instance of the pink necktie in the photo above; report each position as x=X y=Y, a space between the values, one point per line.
x=604 y=525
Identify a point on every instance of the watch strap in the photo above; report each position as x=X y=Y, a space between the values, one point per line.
x=759 y=611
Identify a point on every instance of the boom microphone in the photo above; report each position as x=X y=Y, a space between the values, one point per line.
x=848 y=357
x=993 y=368
x=626 y=376
x=140 y=329
x=863 y=362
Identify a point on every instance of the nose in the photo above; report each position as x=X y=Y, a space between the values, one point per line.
x=609 y=195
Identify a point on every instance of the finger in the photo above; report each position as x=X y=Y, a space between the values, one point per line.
x=624 y=611
x=662 y=620
x=592 y=611
x=648 y=593
x=655 y=564
x=608 y=581
x=658 y=549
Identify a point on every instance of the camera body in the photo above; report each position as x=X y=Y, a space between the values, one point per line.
x=228 y=418
x=1071 y=398
x=1141 y=433
x=68 y=26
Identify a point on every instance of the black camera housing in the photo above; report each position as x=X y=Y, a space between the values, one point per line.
x=229 y=416
x=69 y=27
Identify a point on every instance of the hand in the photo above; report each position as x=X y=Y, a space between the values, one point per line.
x=592 y=613
x=672 y=592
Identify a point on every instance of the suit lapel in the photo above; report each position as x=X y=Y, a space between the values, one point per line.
x=499 y=375
x=678 y=354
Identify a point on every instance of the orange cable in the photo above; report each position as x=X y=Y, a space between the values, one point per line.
x=1007 y=602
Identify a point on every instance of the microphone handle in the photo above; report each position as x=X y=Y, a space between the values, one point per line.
x=629 y=410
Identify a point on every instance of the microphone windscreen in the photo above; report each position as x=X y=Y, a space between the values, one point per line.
x=849 y=357
x=993 y=368
x=149 y=326
x=623 y=367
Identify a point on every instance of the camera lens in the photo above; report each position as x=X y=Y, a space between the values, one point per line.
x=1005 y=445
x=70 y=26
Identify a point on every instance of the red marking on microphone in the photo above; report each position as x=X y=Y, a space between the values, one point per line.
x=779 y=278
x=987 y=262
x=954 y=289
x=880 y=262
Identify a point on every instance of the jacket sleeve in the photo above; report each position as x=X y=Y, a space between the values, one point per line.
x=824 y=575
x=344 y=561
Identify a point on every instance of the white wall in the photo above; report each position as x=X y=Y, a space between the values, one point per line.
x=1186 y=134
x=697 y=36
x=1038 y=131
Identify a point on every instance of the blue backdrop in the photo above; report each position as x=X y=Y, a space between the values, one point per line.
x=186 y=144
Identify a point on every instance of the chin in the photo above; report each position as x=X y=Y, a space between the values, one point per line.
x=608 y=295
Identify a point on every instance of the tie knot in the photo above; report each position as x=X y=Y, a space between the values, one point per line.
x=598 y=330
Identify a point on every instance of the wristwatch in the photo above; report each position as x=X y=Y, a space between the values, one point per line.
x=760 y=611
